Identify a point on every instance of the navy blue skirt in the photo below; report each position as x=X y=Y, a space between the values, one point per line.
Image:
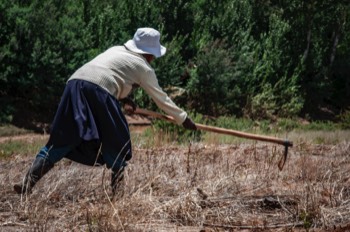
x=89 y=113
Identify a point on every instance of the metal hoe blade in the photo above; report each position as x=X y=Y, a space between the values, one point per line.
x=285 y=154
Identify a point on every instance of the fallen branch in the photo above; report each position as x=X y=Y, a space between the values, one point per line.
x=13 y=224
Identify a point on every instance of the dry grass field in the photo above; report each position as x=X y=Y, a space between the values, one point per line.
x=195 y=187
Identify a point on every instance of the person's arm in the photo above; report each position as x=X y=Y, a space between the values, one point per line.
x=129 y=105
x=150 y=84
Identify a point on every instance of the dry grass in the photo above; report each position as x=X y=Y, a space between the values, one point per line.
x=199 y=187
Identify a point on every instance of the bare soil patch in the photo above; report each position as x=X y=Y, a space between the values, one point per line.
x=188 y=188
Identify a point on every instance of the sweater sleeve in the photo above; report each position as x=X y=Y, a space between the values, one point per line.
x=162 y=100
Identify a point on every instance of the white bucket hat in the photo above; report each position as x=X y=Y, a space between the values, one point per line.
x=146 y=41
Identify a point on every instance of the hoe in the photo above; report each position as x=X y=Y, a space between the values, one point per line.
x=285 y=143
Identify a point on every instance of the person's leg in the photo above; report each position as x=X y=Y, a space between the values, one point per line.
x=117 y=164
x=117 y=177
x=44 y=162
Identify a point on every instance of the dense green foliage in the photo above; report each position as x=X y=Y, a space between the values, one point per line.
x=262 y=59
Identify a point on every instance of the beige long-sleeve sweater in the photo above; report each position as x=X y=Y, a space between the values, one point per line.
x=117 y=69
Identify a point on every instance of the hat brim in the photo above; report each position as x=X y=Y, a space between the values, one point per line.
x=157 y=52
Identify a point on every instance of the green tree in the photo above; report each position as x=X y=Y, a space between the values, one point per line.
x=290 y=55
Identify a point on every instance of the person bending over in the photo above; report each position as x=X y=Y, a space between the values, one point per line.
x=89 y=126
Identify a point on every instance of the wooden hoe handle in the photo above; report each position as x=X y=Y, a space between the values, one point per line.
x=285 y=143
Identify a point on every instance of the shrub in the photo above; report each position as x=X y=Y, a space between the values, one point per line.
x=213 y=89
x=345 y=119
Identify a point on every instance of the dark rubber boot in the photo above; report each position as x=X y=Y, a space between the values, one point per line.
x=116 y=180
x=38 y=169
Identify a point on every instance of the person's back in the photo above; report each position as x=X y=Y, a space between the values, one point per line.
x=116 y=70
